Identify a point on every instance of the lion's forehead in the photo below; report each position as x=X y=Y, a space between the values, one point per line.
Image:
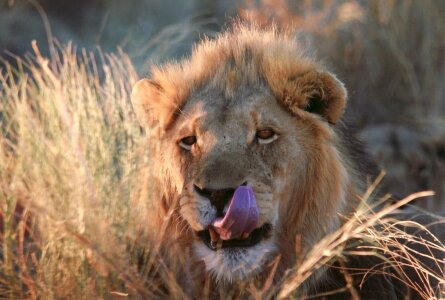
x=233 y=116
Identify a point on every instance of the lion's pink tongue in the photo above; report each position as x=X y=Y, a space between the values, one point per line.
x=241 y=217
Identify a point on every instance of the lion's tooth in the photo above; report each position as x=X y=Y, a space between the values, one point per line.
x=214 y=237
x=219 y=245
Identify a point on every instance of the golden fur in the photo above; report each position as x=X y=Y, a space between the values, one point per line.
x=244 y=80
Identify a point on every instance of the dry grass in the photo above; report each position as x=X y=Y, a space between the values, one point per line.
x=70 y=153
x=383 y=241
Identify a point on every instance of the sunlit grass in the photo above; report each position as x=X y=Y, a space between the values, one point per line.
x=71 y=152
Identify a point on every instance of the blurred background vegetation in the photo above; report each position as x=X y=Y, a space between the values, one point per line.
x=70 y=145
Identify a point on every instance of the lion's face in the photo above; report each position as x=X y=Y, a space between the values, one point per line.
x=238 y=127
x=218 y=145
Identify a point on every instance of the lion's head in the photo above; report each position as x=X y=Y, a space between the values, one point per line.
x=252 y=109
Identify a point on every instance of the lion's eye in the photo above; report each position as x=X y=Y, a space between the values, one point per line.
x=266 y=136
x=187 y=142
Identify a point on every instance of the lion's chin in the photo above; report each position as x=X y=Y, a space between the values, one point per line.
x=231 y=264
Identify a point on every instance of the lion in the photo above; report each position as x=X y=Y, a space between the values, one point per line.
x=254 y=157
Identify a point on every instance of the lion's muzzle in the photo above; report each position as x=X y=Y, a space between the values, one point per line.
x=237 y=223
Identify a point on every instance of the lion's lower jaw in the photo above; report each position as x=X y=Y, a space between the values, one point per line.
x=235 y=264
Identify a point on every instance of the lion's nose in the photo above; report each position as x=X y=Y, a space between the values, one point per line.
x=218 y=197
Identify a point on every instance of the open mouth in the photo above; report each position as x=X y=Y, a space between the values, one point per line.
x=252 y=239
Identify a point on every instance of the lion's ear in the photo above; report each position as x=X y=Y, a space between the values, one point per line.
x=321 y=93
x=149 y=104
